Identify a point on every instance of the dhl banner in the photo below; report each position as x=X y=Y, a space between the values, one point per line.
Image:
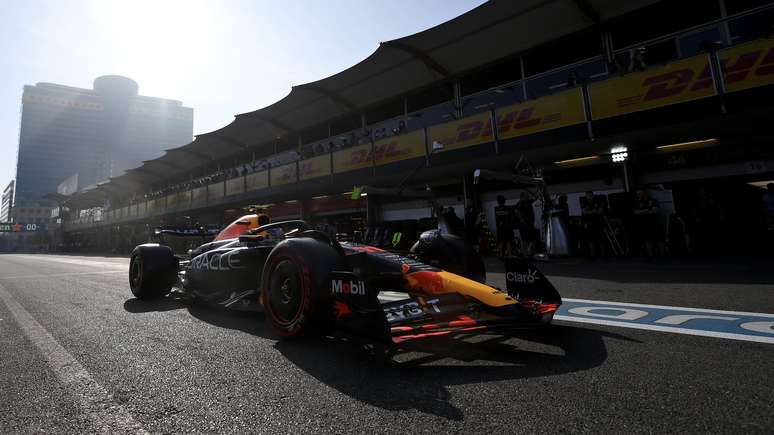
x=554 y=111
x=388 y=150
x=319 y=166
x=215 y=190
x=748 y=65
x=350 y=159
x=235 y=186
x=257 y=180
x=142 y=208
x=151 y=205
x=684 y=80
x=132 y=211
x=401 y=147
x=463 y=133
x=284 y=174
x=546 y=113
x=199 y=194
x=173 y=200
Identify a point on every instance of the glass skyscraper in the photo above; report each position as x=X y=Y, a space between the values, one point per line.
x=94 y=133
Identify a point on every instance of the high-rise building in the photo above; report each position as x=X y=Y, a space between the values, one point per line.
x=6 y=203
x=94 y=133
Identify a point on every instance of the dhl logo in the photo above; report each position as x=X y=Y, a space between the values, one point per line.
x=381 y=151
x=510 y=121
x=309 y=168
x=685 y=81
x=287 y=174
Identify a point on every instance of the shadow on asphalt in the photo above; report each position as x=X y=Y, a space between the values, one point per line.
x=417 y=376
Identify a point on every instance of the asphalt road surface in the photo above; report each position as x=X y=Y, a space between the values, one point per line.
x=79 y=354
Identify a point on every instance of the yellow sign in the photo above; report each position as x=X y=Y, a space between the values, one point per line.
x=463 y=133
x=400 y=147
x=554 y=111
x=684 y=80
x=257 y=180
x=319 y=166
x=235 y=186
x=357 y=157
x=748 y=65
x=284 y=174
x=172 y=200
x=215 y=190
x=199 y=194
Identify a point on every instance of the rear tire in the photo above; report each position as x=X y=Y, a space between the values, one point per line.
x=152 y=270
x=296 y=287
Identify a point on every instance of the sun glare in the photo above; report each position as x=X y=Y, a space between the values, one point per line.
x=157 y=41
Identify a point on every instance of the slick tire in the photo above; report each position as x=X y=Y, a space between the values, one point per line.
x=152 y=271
x=295 y=287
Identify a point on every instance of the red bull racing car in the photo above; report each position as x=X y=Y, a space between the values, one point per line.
x=307 y=282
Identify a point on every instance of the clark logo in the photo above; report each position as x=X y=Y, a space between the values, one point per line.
x=342 y=287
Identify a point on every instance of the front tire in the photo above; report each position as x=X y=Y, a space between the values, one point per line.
x=295 y=288
x=152 y=270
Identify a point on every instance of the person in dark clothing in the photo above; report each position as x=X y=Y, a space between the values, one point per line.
x=647 y=224
x=594 y=226
x=526 y=227
x=504 y=219
x=454 y=222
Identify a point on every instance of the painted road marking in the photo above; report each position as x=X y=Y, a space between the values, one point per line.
x=733 y=325
x=80 y=262
x=106 y=414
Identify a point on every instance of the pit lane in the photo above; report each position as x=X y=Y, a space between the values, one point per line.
x=175 y=367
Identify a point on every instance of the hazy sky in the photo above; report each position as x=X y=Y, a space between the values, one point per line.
x=221 y=57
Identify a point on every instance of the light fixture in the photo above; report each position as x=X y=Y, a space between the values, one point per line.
x=619 y=153
x=684 y=146
x=320 y=197
x=437 y=146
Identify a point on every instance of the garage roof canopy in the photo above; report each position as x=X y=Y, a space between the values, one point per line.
x=492 y=31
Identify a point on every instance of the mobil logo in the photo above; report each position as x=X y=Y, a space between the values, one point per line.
x=733 y=325
x=348 y=287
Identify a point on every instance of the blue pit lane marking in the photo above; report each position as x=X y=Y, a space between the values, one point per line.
x=733 y=325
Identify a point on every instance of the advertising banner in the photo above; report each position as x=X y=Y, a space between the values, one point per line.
x=257 y=180
x=466 y=132
x=173 y=200
x=235 y=186
x=350 y=159
x=199 y=195
x=284 y=174
x=553 y=111
x=319 y=166
x=400 y=147
x=215 y=190
x=684 y=80
x=10 y=227
x=748 y=65
x=142 y=209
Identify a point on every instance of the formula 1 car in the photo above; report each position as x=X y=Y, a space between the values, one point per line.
x=307 y=283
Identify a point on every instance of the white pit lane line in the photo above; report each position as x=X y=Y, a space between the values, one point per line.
x=105 y=414
x=124 y=264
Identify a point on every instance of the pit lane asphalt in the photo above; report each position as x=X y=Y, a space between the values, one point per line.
x=176 y=367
